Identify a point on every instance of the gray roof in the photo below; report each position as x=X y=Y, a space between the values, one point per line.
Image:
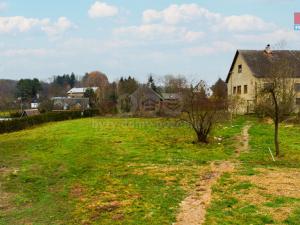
x=167 y=96
x=145 y=91
x=260 y=62
x=81 y=90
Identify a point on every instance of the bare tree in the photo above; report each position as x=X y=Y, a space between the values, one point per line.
x=202 y=111
x=174 y=84
x=277 y=95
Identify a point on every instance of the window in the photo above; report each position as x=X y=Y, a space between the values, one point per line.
x=240 y=68
x=239 y=90
x=297 y=101
x=245 y=89
x=297 y=87
x=234 y=90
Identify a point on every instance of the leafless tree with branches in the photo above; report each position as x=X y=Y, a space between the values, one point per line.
x=201 y=111
x=277 y=95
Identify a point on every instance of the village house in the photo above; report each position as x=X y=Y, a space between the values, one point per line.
x=79 y=92
x=145 y=100
x=63 y=103
x=249 y=71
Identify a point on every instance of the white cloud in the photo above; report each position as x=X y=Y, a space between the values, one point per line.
x=3 y=6
x=159 y=32
x=269 y=37
x=102 y=9
x=191 y=36
x=40 y=52
x=215 y=47
x=175 y=14
x=59 y=27
x=244 y=23
x=20 y=24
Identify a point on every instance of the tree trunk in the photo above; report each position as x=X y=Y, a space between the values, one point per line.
x=202 y=137
x=276 y=139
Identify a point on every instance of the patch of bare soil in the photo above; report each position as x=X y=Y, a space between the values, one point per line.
x=277 y=181
x=193 y=208
x=269 y=185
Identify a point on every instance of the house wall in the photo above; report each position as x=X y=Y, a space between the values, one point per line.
x=241 y=79
x=76 y=95
x=246 y=77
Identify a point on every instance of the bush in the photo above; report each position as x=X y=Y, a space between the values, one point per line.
x=26 y=122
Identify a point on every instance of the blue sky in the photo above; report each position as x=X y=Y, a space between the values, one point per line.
x=119 y=37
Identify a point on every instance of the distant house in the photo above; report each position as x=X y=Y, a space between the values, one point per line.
x=79 y=92
x=144 y=99
x=30 y=112
x=34 y=104
x=63 y=103
x=172 y=103
x=249 y=71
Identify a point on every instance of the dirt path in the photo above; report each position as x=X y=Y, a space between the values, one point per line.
x=193 y=208
x=243 y=141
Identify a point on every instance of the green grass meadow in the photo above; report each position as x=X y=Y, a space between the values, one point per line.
x=104 y=171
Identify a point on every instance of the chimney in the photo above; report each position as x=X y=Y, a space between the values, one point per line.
x=268 y=49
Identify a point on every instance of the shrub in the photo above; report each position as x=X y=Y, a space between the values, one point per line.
x=26 y=122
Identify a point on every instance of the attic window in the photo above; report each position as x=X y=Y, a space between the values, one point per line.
x=240 y=68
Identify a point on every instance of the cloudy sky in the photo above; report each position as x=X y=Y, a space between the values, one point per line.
x=138 y=37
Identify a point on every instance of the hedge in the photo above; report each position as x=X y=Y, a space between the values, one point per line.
x=7 y=126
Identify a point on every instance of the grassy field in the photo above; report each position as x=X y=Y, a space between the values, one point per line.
x=137 y=171
x=261 y=191
x=103 y=171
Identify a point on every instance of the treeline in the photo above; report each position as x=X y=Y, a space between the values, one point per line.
x=25 y=91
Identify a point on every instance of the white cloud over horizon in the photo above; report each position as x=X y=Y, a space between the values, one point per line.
x=102 y=9
x=20 y=24
x=182 y=38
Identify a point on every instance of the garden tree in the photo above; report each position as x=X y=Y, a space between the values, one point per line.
x=46 y=105
x=66 y=80
x=174 y=84
x=7 y=94
x=127 y=85
x=277 y=95
x=200 y=111
x=151 y=84
x=95 y=79
x=107 y=99
x=60 y=85
x=219 y=89
x=91 y=95
x=28 y=89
